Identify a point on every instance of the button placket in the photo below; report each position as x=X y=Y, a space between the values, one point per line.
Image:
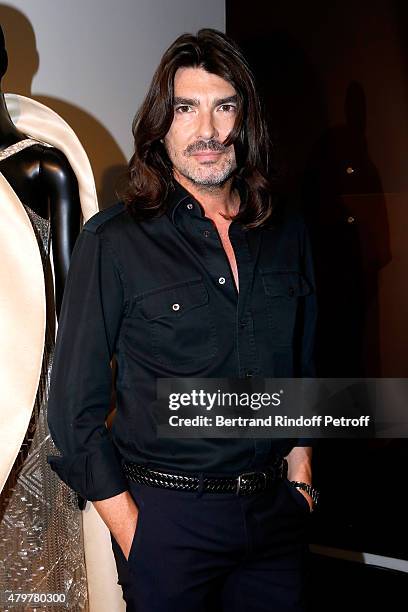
x=249 y=358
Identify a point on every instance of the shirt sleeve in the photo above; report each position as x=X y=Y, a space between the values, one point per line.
x=307 y=365
x=81 y=377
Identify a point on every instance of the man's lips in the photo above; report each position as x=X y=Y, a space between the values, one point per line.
x=207 y=155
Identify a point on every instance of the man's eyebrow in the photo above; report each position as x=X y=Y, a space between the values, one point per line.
x=227 y=100
x=188 y=101
x=196 y=102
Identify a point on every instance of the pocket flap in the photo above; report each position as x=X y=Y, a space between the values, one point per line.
x=173 y=301
x=286 y=284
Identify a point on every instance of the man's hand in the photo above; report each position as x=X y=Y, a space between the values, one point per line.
x=300 y=468
x=120 y=515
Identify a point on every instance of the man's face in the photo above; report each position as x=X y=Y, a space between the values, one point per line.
x=205 y=107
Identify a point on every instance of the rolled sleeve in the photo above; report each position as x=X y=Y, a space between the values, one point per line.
x=81 y=378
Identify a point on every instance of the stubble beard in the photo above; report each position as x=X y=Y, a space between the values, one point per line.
x=209 y=180
x=199 y=174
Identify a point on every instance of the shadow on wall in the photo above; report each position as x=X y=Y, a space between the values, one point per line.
x=107 y=160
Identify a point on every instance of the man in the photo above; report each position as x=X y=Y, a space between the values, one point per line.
x=193 y=277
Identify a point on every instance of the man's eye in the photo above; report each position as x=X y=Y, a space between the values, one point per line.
x=227 y=108
x=184 y=108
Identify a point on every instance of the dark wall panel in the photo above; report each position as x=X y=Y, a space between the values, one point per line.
x=334 y=77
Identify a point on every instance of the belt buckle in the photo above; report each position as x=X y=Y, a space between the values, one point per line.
x=239 y=483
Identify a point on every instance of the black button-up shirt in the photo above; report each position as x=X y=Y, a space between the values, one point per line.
x=160 y=296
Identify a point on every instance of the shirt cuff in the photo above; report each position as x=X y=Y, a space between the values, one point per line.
x=95 y=475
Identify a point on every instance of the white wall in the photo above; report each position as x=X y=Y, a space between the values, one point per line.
x=96 y=59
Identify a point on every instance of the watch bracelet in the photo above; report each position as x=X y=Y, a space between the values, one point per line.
x=314 y=493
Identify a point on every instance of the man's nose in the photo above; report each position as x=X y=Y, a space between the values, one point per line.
x=206 y=127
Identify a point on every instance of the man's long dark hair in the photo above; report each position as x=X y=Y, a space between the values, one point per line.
x=150 y=170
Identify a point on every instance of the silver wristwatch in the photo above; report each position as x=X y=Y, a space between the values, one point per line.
x=314 y=493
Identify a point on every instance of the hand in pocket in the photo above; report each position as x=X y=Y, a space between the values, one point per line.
x=129 y=538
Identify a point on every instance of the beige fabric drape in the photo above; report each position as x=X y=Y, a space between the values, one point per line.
x=22 y=324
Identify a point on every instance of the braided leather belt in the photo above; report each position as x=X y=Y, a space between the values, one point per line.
x=247 y=483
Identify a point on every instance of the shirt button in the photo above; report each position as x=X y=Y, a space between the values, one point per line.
x=176 y=307
x=291 y=291
x=243 y=322
x=206 y=233
x=189 y=206
x=350 y=220
x=221 y=280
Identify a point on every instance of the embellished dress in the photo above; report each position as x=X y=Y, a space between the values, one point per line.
x=41 y=537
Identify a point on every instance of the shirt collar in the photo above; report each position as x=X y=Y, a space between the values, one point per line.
x=179 y=197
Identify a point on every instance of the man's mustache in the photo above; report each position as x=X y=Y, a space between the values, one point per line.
x=204 y=145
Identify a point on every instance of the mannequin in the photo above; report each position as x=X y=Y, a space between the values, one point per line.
x=46 y=181
x=38 y=180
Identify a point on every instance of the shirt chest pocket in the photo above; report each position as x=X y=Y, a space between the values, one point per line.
x=285 y=292
x=180 y=325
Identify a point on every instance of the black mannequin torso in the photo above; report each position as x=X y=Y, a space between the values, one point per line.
x=44 y=181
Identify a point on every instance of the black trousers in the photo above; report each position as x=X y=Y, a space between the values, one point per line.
x=216 y=552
